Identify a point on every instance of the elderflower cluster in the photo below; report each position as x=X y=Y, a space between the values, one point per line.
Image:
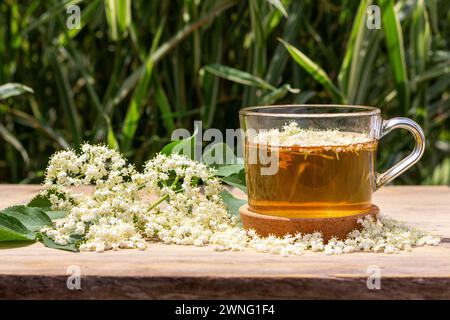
x=292 y=135
x=193 y=212
x=98 y=165
x=104 y=218
x=176 y=200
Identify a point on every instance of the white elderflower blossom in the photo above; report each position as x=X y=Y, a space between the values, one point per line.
x=293 y=135
x=188 y=209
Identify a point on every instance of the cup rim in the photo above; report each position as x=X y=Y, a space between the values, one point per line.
x=362 y=111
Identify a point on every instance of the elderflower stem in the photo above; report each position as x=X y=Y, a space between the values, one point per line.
x=163 y=198
x=174 y=183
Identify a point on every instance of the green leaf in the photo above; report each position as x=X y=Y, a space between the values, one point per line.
x=290 y=32
x=123 y=14
x=396 y=51
x=168 y=46
x=12 y=229
x=44 y=203
x=40 y=201
x=112 y=141
x=440 y=174
x=314 y=70
x=304 y=96
x=222 y=158
x=140 y=94
x=164 y=106
x=356 y=72
x=184 y=146
x=55 y=215
x=353 y=46
x=11 y=139
x=238 y=76
x=50 y=243
x=220 y=154
x=89 y=81
x=256 y=22
x=277 y=4
x=233 y=204
x=118 y=16
x=33 y=219
x=236 y=180
x=86 y=15
x=66 y=96
x=13 y=89
x=49 y=15
x=229 y=169
x=39 y=124
x=278 y=94
x=420 y=39
x=436 y=71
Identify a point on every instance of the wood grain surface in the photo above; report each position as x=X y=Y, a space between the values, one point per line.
x=177 y=272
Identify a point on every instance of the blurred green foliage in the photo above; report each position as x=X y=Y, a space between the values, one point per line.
x=136 y=70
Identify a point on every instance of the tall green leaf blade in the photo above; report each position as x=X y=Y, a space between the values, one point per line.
x=66 y=97
x=439 y=87
x=277 y=4
x=208 y=82
x=39 y=124
x=89 y=81
x=111 y=18
x=49 y=14
x=133 y=114
x=13 y=89
x=257 y=27
x=238 y=76
x=164 y=106
x=138 y=99
x=359 y=90
x=123 y=15
x=420 y=39
x=396 y=51
x=314 y=70
x=12 y=140
x=290 y=31
x=356 y=72
x=353 y=46
x=166 y=47
x=86 y=15
x=257 y=65
x=277 y=94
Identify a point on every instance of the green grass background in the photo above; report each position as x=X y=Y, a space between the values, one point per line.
x=136 y=70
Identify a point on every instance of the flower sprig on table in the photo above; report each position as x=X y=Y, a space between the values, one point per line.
x=174 y=200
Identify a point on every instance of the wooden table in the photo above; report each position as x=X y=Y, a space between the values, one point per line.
x=173 y=272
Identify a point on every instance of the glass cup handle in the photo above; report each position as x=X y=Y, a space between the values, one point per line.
x=411 y=159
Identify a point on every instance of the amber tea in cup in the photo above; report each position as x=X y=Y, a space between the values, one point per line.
x=322 y=157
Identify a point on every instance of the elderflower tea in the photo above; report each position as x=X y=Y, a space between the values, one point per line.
x=317 y=161
x=323 y=173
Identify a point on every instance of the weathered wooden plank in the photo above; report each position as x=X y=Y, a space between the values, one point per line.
x=164 y=271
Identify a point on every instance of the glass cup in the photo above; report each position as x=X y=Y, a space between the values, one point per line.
x=317 y=161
